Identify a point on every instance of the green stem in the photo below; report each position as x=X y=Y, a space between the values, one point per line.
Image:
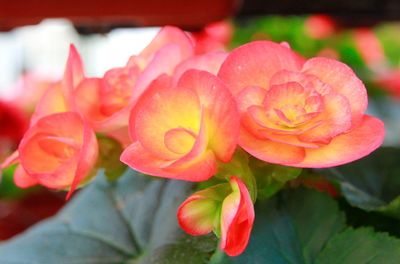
x=217 y=257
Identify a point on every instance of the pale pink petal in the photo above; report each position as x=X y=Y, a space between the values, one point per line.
x=210 y=62
x=22 y=179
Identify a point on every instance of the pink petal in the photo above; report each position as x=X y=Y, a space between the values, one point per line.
x=345 y=148
x=169 y=35
x=343 y=81
x=237 y=218
x=334 y=120
x=254 y=64
x=220 y=110
x=22 y=179
x=270 y=151
x=210 y=62
x=73 y=75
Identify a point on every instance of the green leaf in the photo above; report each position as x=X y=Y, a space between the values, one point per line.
x=360 y=246
x=105 y=223
x=292 y=228
x=193 y=250
x=109 y=153
x=372 y=183
x=271 y=177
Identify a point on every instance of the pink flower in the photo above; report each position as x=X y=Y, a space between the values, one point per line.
x=226 y=209
x=58 y=151
x=181 y=131
x=106 y=102
x=60 y=148
x=299 y=113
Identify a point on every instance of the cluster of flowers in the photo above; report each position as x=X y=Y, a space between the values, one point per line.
x=180 y=115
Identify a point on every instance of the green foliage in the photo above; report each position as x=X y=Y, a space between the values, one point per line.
x=109 y=153
x=105 y=223
x=372 y=183
x=271 y=177
x=360 y=246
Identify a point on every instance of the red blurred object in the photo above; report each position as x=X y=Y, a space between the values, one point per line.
x=321 y=185
x=16 y=216
x=214 y=37
x=390 y=81
x=193 y=14
x=370 y=47
x=13 y=124
x=320 y=26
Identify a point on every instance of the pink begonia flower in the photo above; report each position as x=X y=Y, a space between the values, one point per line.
x=59 y=151
x=181 y=131
x=299 y=113
x=106 y=102
x=228 y=211
x=60 y=148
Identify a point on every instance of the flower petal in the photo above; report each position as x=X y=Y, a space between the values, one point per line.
x=334 y=120
x=196 y=215
x=161 y=109
x=210 y=62
x=220 y=111
x=254 y=64
x=345 y=148
x=270 y=151
x=343 y=81
x=22 y=179
x=73 y=75
x=237 y=218
x=169 y=35
x=52 y=101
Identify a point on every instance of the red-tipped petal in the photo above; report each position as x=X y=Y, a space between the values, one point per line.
x=237 y=218
x=196 y=215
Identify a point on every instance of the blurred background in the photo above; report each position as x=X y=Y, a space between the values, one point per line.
x=35 y=38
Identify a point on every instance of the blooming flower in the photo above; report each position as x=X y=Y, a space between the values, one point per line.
x=106 y=102
x=226 y=208
x=180 y=131
x=60 y=148
x=58 y=151
x=299 y=113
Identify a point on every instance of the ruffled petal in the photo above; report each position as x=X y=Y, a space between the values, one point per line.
x=345 y=148
x=254 y=64
x=343 y=81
